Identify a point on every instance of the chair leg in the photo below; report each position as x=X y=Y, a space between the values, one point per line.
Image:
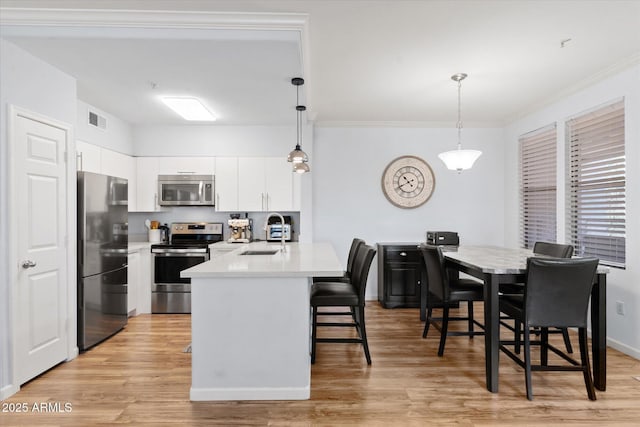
x=427 y=323
x=517 y=332
x=470 y=316
x=443 y=332
x=586 y=367
x=527 y=363
x=313 y=334
x=567 y=341
x=544 y=346
x=363 y=334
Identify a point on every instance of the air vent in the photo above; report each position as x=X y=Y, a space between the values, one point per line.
x=97 y=120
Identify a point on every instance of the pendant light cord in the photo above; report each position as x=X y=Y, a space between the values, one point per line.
x=459 y=124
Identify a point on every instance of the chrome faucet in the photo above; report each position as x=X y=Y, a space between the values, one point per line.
x=266 y=222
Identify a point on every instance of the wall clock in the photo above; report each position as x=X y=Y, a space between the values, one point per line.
x=408 y=182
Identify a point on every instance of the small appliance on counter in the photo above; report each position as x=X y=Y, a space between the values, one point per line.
x=446 y=238
x=275 y=229
x=241 y=229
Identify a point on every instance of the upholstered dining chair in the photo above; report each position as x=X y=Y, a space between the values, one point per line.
x=344 y=294
x=448 y=290
x=556 y=294
x=353 y=251
x=556 y=250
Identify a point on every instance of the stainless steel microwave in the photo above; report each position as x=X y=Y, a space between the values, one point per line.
x=186 y=190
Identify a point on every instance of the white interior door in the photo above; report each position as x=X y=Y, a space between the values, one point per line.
x=40 y=195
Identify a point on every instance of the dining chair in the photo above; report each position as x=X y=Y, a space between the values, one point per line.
x=448 y=290
x=344 y=294
x=556 y=294
x=556 y=250
x=353 y=251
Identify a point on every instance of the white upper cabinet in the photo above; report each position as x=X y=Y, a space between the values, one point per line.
x=279 y=184
x=226 y=185
x=147 y=184
x=186 y=165
x=265 y=184
x=92 y=158
x=88 y=157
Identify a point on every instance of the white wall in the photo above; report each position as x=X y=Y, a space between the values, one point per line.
x=348 y=200
x=27 y=82
x=623 y=332
x=117 y=136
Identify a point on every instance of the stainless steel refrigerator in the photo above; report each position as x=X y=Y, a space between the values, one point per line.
x=102 y=257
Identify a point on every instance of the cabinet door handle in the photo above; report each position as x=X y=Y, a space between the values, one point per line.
x=403 y=254
x=262 y=201
x=190 y=172
x=217 y=201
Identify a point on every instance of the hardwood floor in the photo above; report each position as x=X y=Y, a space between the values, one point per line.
x=142 y=377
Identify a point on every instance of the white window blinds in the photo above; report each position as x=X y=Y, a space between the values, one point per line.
x=538 y=186
x=596 y=184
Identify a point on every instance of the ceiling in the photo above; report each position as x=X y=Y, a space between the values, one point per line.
x=365 y=62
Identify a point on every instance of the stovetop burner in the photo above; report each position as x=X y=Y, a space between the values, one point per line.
x=191 y=235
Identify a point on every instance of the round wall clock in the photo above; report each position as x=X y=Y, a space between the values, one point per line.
x=408 y=182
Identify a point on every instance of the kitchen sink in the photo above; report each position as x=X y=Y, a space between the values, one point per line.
x=260 y=252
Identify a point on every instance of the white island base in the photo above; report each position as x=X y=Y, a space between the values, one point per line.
x=251 y=323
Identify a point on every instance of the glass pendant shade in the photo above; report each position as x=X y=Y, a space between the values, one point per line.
x=297 y=156
x=301 y=167
x=459 y=159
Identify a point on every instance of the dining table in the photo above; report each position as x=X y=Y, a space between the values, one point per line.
x=495 y=265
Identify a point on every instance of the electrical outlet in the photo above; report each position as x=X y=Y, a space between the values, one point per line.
x=620 y=308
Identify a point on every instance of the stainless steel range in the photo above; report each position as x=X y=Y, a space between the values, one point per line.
x=189 y=246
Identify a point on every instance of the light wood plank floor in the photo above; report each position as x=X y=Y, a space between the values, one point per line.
x=142 y=377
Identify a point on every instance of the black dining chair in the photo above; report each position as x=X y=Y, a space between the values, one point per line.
x=556 y=294
x=555 y=250
x=344 y=294
x=448 y=291
x=353 y=251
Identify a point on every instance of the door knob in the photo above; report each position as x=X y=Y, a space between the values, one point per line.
x=28 y=264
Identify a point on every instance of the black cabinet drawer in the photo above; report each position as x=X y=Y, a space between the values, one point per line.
x=403 y=254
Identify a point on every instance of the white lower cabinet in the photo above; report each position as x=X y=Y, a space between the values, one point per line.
x=133 y=282
x=265 y=184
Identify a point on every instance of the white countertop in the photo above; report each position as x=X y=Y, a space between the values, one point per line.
x=297 y=260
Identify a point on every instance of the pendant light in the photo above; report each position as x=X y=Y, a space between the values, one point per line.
x=298 y=157
x=459 y=159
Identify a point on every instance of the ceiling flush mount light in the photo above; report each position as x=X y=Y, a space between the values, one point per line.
x=298 y=157
x=459 y=159
x=189 y=108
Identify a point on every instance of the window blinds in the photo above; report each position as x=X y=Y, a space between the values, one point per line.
x=538 y=186
x=596 y=184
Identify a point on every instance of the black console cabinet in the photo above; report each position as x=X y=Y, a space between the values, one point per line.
x=401 y=275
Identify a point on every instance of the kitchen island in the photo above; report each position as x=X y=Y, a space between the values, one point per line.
x=250 y=319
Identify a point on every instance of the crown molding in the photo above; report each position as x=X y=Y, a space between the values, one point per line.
x=612 y=70
x=152 y=19
x=128 y=20
x=403 y=124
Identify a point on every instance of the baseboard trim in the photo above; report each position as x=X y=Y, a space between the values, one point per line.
x=8 y=391
x=281 y=393
x=628 y=350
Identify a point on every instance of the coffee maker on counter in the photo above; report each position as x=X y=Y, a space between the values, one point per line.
x=241 y=229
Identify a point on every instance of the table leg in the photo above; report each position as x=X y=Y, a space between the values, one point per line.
x=599 y=331
x=491 y=331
